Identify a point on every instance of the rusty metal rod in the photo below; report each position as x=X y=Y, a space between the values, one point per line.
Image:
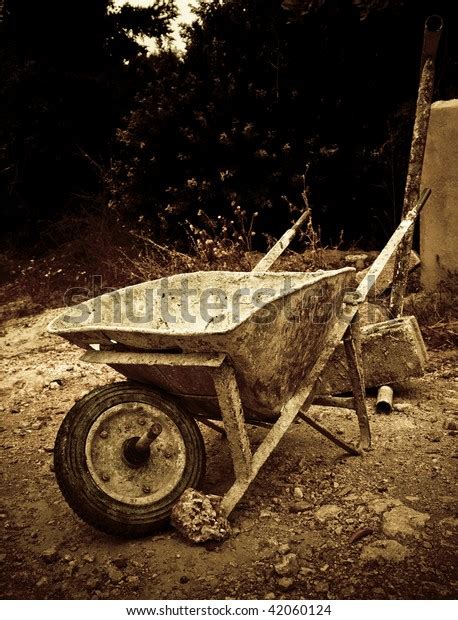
x=341 y=402
x=147 y=438
x=432 y=34
x=324 y=431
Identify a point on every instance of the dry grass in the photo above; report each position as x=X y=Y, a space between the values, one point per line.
x=99 y=246
x=437 y=313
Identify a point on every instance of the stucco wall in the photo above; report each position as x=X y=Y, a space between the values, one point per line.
x=439 y=219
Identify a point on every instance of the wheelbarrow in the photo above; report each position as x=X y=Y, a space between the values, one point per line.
x=236 y=348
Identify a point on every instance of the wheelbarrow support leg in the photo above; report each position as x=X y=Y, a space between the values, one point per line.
x=352 y=344
x=234 y=423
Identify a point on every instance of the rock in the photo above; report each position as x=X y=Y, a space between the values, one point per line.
x=184 y=579
x=288 y=566
x=134 y=581
x=301 y=506
x=450 y=424
x=356 y=260
x=284 y=548
x=402 y=407
x=449 y=523
x=42 y=582
x=379 y=506
x=285 y=584
x=347 y=592
x=92 y=584
x=321 y=586
x=310 y=541
x=265 y=514
x=198 y=517
x=114 y=574
x=403 y=521
x=270 y=596
x=328 y=511
x=298 y=493
x=89 y=558
x=384 y=550
x=50 y=555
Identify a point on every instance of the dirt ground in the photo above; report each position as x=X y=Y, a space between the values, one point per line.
x=291 y=535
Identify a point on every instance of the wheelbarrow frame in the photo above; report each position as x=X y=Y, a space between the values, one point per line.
x=246 y=464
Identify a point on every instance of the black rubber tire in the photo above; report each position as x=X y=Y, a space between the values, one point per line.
x=78 y=487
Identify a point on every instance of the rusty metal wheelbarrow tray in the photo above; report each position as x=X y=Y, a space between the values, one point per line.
x=271 y=326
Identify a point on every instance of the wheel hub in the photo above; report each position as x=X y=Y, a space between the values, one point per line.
x=135 y=453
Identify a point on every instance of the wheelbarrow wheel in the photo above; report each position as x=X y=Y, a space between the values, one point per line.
x=112 y=481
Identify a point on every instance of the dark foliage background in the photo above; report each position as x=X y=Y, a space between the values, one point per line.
x=264 y=96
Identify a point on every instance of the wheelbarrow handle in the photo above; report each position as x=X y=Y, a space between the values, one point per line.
x=280 y=246
x=432 y=35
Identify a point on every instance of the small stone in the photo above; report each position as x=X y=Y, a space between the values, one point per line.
x=284 y=548
x=184 y=579
x=310 y=541
x=114 y=574
x=92 y=584
x=347 y=592
x=50 y=555
x=285 y=584
x=134 y=581
x=449 y=523
x=54 y=385
x=321 y=586
x=298 y=493
x=270 y=596
x=301 y=506
x=356 y=260
x=385 y=550
x=402 y=407
x=288 y=566
x=42 y=582
x=403 y=521
x=89 y=558
x=265 y=514
x=328 y=511
x=450 y=424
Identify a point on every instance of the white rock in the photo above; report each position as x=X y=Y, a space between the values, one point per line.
x=328 y=511
x=356 y=260
x=385 y=550
x=381 y=505
x=298 y=493
x=288 y=566
x=403 y=521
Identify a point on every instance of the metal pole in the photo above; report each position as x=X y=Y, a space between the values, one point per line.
x=432 y=34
